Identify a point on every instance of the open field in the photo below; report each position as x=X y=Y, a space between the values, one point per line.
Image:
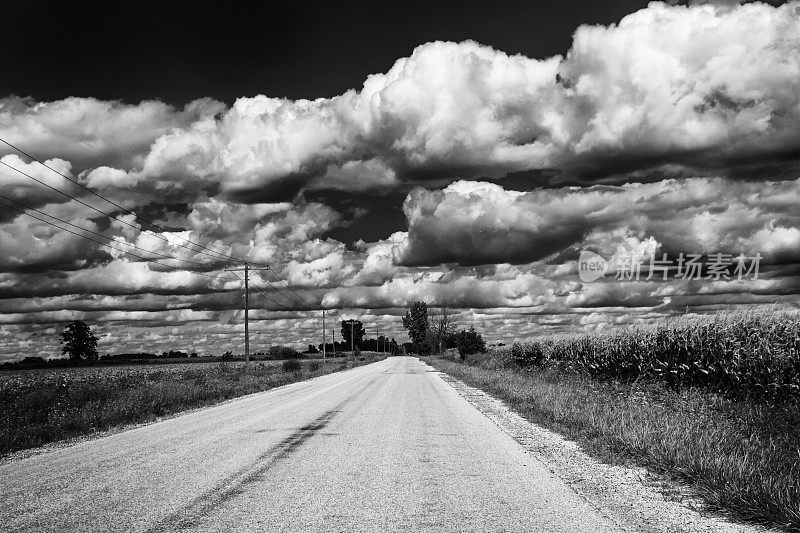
x=735 y=441
x=47 y=405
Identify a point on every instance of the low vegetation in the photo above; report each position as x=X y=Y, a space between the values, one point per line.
x=711 y=401
x=47 y=405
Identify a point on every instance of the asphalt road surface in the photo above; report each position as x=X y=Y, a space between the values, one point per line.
x=385 y=447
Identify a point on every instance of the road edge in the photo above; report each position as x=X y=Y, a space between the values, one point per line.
x=72 y=441
x=634 y=498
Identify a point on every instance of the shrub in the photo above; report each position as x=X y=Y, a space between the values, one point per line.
x=282 y=352
x=292 y=365
x=469 y=342
x=313 y=366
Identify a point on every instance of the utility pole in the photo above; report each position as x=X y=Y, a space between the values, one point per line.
x=352 y=327
x=323 y=334
x=246 y=271
x=333 y=340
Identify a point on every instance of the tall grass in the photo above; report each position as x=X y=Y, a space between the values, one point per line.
x=742 y=456
x=712 y=400
x=752 y=354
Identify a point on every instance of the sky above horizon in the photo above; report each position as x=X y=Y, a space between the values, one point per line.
x=463 y=155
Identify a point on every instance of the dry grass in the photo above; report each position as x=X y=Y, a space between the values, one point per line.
x=41 y=406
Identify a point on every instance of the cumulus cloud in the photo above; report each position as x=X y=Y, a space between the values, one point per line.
x=671 y=119
x=668 y=90
x=478 y=223
x=91 y=132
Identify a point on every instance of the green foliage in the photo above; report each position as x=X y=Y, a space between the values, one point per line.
x=751 y=354
x=416 y=322
x=80 y=344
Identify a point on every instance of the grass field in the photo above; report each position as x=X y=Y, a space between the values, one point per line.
x=47 y=405
x=736 y=442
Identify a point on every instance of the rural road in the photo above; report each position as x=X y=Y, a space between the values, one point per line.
x=385 y=447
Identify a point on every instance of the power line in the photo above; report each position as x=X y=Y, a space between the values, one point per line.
x=276 y=289
x=96 y=233
x=267 y=296
x=107 y=244
x=219 y=255
x=288 y=287
x=302 y=303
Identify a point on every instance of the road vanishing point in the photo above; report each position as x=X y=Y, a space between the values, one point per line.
x=389 y=446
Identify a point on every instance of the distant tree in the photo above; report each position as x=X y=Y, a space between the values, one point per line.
x=80 y=344
x=312 y=349
x=227 y=356
x=469 y=342
x=357 y=332
x=442 y=328
x=416 y=322
x=282 y=352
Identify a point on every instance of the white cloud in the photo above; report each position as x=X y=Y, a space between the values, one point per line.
x=481 y=223
x=92 y=132
x=669 y=88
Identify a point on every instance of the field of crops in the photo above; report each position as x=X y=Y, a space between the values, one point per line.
x=46 y=405
x=753 y=354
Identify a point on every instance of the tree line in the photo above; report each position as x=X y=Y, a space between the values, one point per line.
x=434 y=332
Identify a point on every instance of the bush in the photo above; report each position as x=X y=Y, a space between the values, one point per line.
x=282 y=352
x=422 y=348
x=313 y=366
x=292 y=365
x=469 y=342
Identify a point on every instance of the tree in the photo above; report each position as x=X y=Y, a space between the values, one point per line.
x=357 y=333
x=416 y=322
x=79 y=342
x=442 y=328
x=469 y=342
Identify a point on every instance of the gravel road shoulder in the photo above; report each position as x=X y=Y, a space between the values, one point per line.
x=634 y=498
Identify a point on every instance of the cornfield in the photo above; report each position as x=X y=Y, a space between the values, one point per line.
x=752 y=354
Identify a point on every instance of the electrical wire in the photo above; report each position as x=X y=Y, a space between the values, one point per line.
x=264 y=294
x=144 y=250
x=290 y=288
x=219 y=255
x=107 y=244
x=279 y=291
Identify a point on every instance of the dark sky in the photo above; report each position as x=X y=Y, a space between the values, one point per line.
x=178 y=51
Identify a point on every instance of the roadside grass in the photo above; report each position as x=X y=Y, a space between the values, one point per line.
x=39 y=407
x=743 y=457
x=751 y=354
